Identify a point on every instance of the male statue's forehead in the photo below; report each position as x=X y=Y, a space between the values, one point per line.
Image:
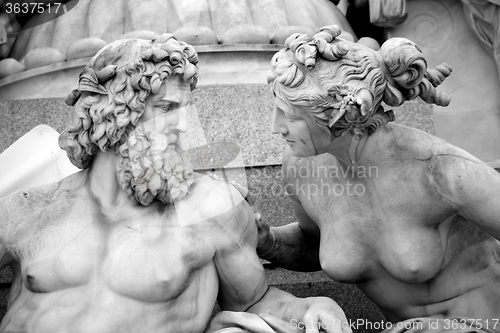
x=171 y=87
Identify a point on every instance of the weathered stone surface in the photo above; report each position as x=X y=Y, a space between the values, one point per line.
x=196 y=35
x=146 y=15
x=66 y=29
x=283 y=33
x=84 y=48
x=387 y=13
x=370 y=42
x=141 y=34
x=10 y=66
x=245 y=34
x=43 y=57
x=110 y=19
x=472 y=120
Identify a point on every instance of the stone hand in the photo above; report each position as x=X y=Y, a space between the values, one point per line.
x=230 y=330
x=266 y=238
x=238 y=322
x=325 y=315
x=281 y=326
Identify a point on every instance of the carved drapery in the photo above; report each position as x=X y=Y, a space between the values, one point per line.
x=483 y=17
x=387 y=13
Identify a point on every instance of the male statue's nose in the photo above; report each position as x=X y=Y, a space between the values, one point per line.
x=182 y=121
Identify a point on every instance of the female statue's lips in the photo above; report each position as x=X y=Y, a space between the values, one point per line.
x=287 y=140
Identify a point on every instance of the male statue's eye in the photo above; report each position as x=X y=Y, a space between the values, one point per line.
x=166 y=107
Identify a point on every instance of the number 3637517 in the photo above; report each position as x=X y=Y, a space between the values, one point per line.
x=32 y=7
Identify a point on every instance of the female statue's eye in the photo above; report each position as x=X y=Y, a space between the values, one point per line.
x=290 y=117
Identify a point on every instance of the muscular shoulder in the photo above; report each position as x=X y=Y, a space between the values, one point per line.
x=395 y=143
x=213 y=199
x=226 y=211
x=395 y=146
x=26 y=207
x=449 y=169
x=458 y=176
x=26 y=200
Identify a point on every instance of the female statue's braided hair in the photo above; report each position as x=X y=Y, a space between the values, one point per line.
x=343 y=83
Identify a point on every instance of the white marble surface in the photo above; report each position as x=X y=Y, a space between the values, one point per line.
x=472 y=120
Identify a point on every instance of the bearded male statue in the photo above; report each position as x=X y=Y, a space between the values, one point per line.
x=135 y=241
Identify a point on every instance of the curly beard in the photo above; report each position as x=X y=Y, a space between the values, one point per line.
x=148 y=168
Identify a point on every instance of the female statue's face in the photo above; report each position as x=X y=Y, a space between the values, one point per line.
x=304 y=136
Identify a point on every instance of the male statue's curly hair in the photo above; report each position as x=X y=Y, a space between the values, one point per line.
x=343 y=83
x=113 y=88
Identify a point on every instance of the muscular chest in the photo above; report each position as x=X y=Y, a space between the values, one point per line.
x=142 y=257
x=160 y=260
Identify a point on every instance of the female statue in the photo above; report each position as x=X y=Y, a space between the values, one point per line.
x=409 y=218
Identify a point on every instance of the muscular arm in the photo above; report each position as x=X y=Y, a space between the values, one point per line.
x=471 y=187
x=241 y=275
x=242 y=283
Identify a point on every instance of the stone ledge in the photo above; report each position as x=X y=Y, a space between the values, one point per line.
x=242 y=64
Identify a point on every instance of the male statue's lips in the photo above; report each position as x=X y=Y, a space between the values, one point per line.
x=173 y=141
x=172 y=138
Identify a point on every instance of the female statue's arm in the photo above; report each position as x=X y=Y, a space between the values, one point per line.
x=471 y=187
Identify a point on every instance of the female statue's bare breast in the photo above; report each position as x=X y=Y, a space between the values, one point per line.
x=363 y=227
